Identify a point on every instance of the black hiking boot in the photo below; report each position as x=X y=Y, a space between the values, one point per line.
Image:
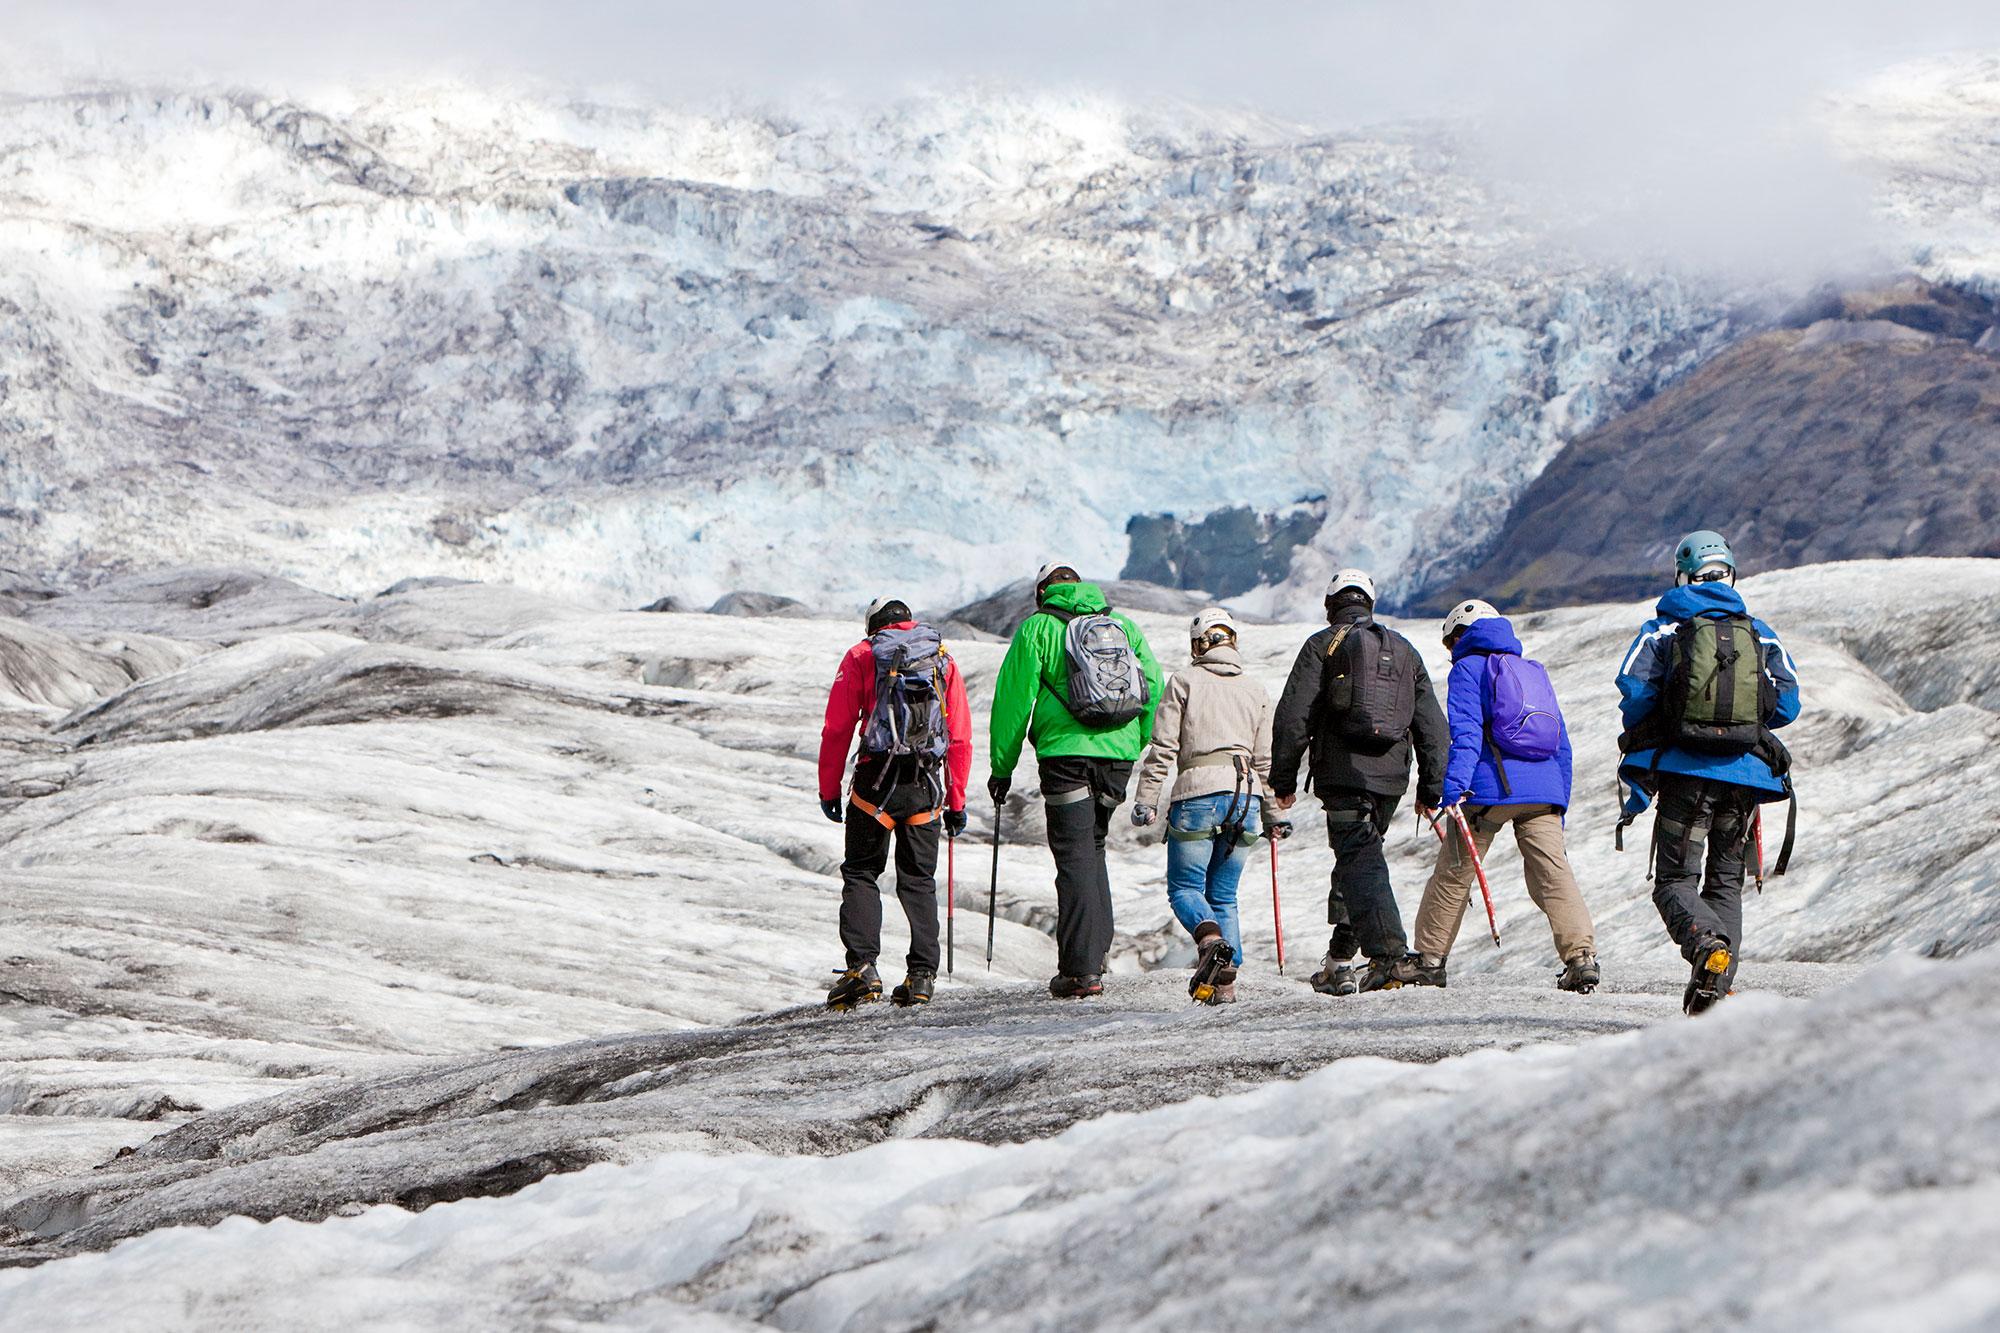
x=857 y=986
x=916 y=989
x=1427 y=973
x=1711 y=965
x=1075 y=988
x=1579 y=974
x=1213 y=957
x=1336 y=977
x=1390 y=973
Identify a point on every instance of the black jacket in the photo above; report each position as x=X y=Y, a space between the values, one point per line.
x=1298 y=725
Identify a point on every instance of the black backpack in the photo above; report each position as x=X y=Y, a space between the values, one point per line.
x=1368 y=688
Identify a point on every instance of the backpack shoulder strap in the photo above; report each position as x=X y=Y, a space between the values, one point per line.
x=1340 y=633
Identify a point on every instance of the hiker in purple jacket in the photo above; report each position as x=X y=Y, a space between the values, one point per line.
x=1509 y=764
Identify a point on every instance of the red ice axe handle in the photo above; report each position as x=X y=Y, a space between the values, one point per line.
x=1277 y=913
x=1758 y=825
x=950 y=902
x=1472 y=850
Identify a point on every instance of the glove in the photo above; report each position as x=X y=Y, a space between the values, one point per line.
x=1143 y=815
x=954 y=823
x=1278 y=830
x=1450 y=799
x=831 y=809
x=997 y=787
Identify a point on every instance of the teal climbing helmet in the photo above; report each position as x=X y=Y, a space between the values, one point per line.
x=1698 y=550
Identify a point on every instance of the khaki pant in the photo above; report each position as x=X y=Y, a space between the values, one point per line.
x=1539 y=832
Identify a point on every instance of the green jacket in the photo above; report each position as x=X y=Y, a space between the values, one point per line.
x=1030 y=699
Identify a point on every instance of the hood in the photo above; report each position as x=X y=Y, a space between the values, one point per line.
x=1355 y=613
x=1076 y=598
x=1693 y=599
x=1223 y=660
x=1491 y=635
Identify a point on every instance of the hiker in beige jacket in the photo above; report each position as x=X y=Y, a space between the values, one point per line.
x=1214 y=726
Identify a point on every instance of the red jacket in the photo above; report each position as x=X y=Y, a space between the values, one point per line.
x=853 y=698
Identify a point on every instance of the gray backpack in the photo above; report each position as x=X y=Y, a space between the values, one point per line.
x=908 y=717
x=1107 y=686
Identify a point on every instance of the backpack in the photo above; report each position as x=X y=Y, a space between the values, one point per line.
x=1717 y=693
x=909 y=714
x=1107 y=686
x=1368 y=689
x=1523 y=720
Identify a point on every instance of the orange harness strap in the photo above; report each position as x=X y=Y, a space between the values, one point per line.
x=874 y=812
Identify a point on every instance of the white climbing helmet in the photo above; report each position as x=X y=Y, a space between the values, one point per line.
x=1050 y=570
x=1352 y=578
x=1465 y=613
x=1207 y=622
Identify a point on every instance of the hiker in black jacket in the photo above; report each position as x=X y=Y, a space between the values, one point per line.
x=1360 y=698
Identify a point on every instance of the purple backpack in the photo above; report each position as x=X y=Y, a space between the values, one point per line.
x=1523 y=720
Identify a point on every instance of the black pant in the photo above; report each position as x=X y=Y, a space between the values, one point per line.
x=916 y=876
x=1081 y=795
x=1700 y=836
x=1361 y=907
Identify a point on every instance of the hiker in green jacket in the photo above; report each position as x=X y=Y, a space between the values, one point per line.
x=1079 y=684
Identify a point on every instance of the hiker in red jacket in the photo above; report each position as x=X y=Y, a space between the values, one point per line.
x=905 y=692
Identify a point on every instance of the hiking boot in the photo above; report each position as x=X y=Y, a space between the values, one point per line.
x=1212 y=959
x=857 y=986
x=1075 y=988
x=916 y=989
x=1390 y=973
x=1711 y=966
x=1335 y=978
x=1225 y=992
x=1427 y=972
x=1579 y=974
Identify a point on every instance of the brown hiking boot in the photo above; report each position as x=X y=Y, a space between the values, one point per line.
x=1391 y=973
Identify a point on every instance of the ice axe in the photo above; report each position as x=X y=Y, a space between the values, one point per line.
x=950 y=902
x=1278 y=832
x=1472 y=850
x=993 y=884
x=1757 y=828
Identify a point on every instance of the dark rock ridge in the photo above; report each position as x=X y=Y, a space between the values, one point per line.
x=758 y=604
x=1226 y=552
x=1872 y=429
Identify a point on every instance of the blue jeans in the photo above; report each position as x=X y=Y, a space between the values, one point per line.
x=1202 y=875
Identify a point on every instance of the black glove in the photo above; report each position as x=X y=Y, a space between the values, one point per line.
x=1279 y=830
x=1143 y=815
x=997 y=787
x=954 y=823
x=831 y=809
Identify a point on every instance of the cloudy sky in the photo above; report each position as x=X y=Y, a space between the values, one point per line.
x=1694 y=119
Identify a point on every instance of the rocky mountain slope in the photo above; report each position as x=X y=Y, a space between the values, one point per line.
x=1871 y=428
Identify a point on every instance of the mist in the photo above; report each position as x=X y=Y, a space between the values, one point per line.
x=1692 y=133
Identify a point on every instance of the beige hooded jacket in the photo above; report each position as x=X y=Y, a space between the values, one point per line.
x=1211 y=710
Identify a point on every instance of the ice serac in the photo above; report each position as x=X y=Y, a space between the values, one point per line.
x=615 y=351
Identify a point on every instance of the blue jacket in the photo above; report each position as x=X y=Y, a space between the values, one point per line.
x=1645 y=671
x=1471 y=771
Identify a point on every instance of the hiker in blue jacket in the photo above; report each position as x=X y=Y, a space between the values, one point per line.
x=1509 y=765
x=1704 y=686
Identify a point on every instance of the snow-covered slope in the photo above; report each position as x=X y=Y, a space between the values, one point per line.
x=451 y=819
x=1831 y=1164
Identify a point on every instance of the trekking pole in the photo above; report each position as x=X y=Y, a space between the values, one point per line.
x=1479 y=869
x=950 y=902
x=1277 y=913
x=993 y=886
x=1757 y=825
